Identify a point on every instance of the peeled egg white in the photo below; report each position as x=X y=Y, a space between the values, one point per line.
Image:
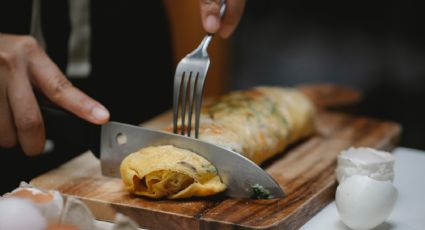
x=20 y=214
x=363 y=202
x=370 y=162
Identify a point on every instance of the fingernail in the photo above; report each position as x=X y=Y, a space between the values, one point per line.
x=212 y=23
x=100 y=114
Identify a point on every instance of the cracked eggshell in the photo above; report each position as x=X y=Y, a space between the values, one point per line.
x=76 y=213
x=378 y=165
x=50 y=203
x=363 y=202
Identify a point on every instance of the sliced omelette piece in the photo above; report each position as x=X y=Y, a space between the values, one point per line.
x=171 y=172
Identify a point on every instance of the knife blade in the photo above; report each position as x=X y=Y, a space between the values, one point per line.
x=241 y=175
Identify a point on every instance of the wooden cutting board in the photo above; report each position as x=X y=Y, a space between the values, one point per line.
x=305 y=171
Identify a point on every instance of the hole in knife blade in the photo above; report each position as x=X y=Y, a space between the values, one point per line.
x=121 y=139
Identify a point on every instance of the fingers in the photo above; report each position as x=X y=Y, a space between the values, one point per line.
x=51 y=81
x=210 y=14
x=23 y=62
x=231 y=17
x=7 y=133
x=26 y=114
x=20 y=116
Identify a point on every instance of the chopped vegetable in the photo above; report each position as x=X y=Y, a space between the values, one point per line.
x=259 y=192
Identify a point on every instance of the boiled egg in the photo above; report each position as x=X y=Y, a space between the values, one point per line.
x=20 y=214
x=365 y=195
x=363 y=202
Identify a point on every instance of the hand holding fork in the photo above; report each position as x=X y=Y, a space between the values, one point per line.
x=189 y=83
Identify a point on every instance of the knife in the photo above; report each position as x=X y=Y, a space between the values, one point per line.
x=113 y=141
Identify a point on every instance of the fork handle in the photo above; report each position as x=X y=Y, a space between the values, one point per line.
x=222 y=8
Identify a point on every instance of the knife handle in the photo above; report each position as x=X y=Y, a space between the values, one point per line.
x=65 y=128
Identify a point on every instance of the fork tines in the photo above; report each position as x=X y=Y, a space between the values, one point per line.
x=188 y=87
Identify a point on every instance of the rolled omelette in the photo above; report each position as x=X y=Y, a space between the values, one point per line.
x=257 y=123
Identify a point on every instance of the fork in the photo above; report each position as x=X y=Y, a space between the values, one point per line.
x=191 y=73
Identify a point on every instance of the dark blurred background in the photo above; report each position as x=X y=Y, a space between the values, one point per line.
x=376 y=47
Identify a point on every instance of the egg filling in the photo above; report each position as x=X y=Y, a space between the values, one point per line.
x=167 y=171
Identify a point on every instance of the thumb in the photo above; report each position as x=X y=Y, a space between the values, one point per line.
x=210 y=14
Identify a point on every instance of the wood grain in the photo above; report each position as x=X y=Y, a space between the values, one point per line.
x=305 y=171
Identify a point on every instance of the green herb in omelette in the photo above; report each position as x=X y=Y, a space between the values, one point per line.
x=259 y=192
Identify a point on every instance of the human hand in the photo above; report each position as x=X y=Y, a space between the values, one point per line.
x=210 y=13
x=23 y=66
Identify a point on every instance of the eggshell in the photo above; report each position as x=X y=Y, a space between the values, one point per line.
x=20 y=214
x=123 y=222
x=370 y=162
x=49 y=208
x=35 y=195
x=49 y=203
x=76 y=213
x=363 y=202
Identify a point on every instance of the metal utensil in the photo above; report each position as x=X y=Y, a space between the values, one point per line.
x=190 y=73
x=242 y=176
